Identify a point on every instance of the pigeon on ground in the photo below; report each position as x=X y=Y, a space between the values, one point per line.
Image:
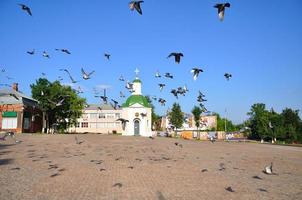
x=157 y=74
x=196 y=72
x=26 y=8
x=45 y=54
x=71 y=78
x=168 y=75
x=152 y=138
x=221 y=7
x=162 y=101
x=31 y=52
x=77 y=140
x=107 y=56
x=229 y=189
x=136 y=5
x=85 y=75
x=64 y=51
x=204 y=170
x=269 y=169
x=161 y=86
x=227 y=76
x=178 y=144
x=176 y=56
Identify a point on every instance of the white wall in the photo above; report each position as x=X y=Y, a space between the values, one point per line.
x=145 y=122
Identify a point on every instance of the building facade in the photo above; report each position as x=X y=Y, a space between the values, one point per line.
x=136 y=112
x=19 y=113
x=99 y=119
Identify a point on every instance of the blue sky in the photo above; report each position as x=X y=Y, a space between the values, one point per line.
x=259 y=43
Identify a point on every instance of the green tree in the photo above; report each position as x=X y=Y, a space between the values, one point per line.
x=49 y=94
x=155 y=118
x=196 y=111
x=291 y=124
x=223 y=123
x=259 y=119
x=176 y=116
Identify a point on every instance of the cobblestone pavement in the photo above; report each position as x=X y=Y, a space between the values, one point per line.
x=116 y=167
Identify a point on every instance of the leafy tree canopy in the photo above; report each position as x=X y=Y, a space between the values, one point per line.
x=176 y=116
x=60 y=103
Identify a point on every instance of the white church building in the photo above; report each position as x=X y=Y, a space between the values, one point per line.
x=104 y=118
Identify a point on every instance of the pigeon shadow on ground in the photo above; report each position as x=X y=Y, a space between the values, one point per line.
x=6 y=161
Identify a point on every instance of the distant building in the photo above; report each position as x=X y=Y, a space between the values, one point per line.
x=99 y=119
x=19 y=113
x=104 y=118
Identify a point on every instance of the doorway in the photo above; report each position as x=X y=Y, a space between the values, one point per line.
x=136 y=127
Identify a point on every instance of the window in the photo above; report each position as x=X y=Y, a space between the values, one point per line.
x=102 y=115
x=77 y=125
x=84 y=124
x=93 y=115
x=117 y=115
x=9 y=123
x=110 y=116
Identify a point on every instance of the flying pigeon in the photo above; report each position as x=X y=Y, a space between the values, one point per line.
x=161 y=86
x=177 y=56
x=175 y=93
x=115 y=104
x=79 y=90
x=85 y=75
x=107 y=56
x=31 y=52
x=154 y=98
x=196 y=72
x=71 y=78
x=122 y=95
x=60 y=103
x=45 y=54
x=129 y=85
x=9 y=78
x=64 y=51
x=162 y=101
x=227 y=76
x=185 y=88
x=168 y=75
x=121 y=78
x=124 y=121
x=157 y=74
x=2 y=70
x=25 y=8
x=221 y=8
x=200 y=97
x=136 y=5
x=269 y=169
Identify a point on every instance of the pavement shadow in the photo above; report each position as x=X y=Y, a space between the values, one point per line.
x=5 y=161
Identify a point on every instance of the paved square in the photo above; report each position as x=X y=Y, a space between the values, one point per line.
x=117 y=167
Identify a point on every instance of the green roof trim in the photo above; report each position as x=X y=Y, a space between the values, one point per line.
x=137 y=81
x=9 y=114
x=133 y=99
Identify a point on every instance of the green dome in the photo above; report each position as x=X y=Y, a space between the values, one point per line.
x=133 y=99
x=137 y=81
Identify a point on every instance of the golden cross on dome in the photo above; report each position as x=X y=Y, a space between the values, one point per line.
x=136 y=72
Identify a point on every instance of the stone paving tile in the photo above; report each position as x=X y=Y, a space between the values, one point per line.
x=115 y=167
